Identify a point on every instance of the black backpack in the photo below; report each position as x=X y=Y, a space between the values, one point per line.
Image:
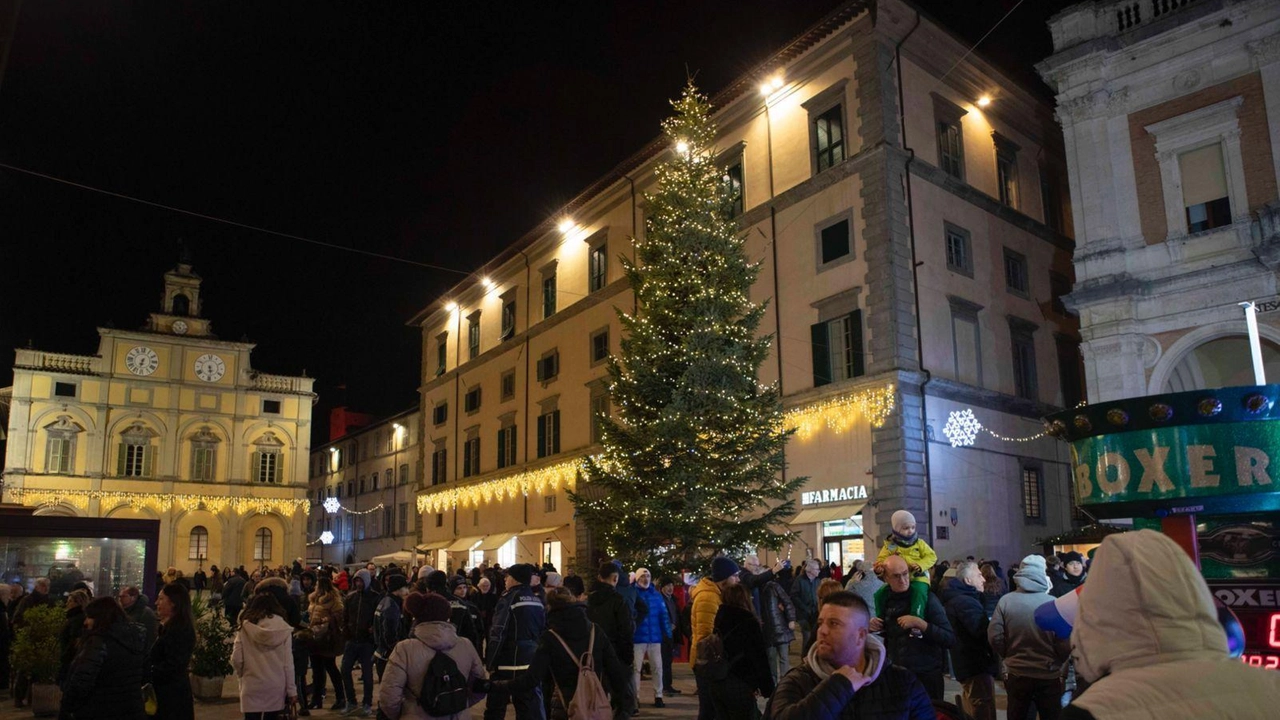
x=444 y=687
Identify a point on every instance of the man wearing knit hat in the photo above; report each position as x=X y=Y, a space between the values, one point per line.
x=1072 y=575
x=518 y=621
x=359 y=608
x=1032 y=657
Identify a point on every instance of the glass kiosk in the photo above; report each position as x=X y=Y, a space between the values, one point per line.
x=107 y=553
x=1203 y=467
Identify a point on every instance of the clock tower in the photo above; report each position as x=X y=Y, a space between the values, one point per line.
x=181 y=304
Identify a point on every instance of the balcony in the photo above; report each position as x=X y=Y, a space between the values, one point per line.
x=58 y=362
x=281 y=383
x=1089 y=21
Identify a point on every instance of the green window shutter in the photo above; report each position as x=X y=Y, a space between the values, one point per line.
x=859 y=360
x=255 y=466
x=148 y=460
x=555 y=434
x=124 y=453
x=542 y=436
x=821 y=354
x=502 y=458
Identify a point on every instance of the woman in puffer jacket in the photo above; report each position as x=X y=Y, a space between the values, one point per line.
x=105 y=679
x=325 y=621
x=262 y=657
x=407 y=666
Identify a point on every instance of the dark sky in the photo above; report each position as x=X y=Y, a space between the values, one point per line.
x=437 y=132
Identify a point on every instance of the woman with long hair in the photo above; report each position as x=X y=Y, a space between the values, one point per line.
x=263 y=660
x=105 y=679
x=72 y=630
x=733 y=696
x=171 y=655
x=993 y=589
x=826 y=587
x=327 y=641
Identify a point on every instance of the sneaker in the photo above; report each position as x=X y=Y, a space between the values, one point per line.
x=657 y=702
x=364 y=711
x=349 y=710
x=340 y=705
x=671 y=691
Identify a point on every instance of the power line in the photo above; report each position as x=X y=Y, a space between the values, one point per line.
x=984 y=37
x=233 y=223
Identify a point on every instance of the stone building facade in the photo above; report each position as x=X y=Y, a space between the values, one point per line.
x=905 y=200
x=1171 y=116
x=168 y=423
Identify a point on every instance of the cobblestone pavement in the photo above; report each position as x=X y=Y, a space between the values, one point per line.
x=678 y=706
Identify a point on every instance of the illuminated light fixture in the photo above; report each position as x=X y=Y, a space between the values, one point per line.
x=962 y=428
x=772 y=85
x=333 y=450
x=331 y=505
x=451 y=306
x=487 y=283
x=397 y=426
x=984 y=101
x=565 y=225
x=326 y=537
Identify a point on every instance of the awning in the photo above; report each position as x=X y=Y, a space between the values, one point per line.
x=544 y=531
x=464 y=544
x=823 y=514
x=434 y=545
x=495 y=541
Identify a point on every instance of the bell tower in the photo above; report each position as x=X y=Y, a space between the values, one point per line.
x=181 y=303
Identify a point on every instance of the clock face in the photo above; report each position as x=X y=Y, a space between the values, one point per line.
x=142 y=361
x=210 y=368
x=180 y=327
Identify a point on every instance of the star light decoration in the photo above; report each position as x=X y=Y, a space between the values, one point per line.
x=326 y=537
x=331 y=506
x=962 y=428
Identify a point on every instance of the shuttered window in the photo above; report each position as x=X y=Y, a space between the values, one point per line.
x=837 y=349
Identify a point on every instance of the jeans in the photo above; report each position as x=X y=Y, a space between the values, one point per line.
x=779 y=661
x=1025 y=692
x=979 y=698
x=361 y=652
x=654 y=651
x=667 y=652
x=528 y=704
x=320 y=665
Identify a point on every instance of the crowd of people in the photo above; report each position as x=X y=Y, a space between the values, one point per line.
x=876 y=639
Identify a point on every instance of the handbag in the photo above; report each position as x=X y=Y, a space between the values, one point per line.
x=150 y=703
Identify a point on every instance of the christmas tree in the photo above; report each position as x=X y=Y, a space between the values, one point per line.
x=693 y=460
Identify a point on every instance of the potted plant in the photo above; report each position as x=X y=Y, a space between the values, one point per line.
x=211 y=660
x=36 y=654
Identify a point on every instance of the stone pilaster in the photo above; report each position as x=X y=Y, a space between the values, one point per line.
x=898 y=460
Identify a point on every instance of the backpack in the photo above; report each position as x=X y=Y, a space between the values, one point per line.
x=590 y=702
x=444 y=687
x=711 y=663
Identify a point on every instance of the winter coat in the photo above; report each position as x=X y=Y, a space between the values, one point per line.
x=465 y=618
x=518 y=621
x=811 y=691
x=72 y=631
x=390 y=626
x=168 y=664
x=656 y=625
x=326 y=624
x=105 y=679
x=865 y=588
x=28 y=601
x=146 y=617
x=916 y=552
x=804 y=593
x=1063 y=583
x=1147 y=636
x=972 y=653
x=1013 y=634
x=744 y=647
x=233 y=592
x=262 y=658
x=673 y=616
x=358 y=609
x=919 y=655
x=777 y=613
x=407 y=666
x=702 y=614
x=607 y=608
x=574 y=627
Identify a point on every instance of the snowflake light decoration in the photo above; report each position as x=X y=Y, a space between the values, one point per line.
x=962 y=428
x=331 y=505
x=326 y=537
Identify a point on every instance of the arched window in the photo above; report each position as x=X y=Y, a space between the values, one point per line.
x=262 y=545
x=198 y=549
x=181 y=304
x=266 y=458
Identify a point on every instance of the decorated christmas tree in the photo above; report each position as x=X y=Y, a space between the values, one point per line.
x=693 y=456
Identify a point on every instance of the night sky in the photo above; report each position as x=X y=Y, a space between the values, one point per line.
x=435 y=132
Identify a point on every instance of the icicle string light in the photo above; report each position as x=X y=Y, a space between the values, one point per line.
x=159 y=502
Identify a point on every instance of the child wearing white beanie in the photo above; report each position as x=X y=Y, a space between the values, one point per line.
x=904 y=542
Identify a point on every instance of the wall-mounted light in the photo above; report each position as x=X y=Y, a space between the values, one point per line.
x=772 y=85
x=682 y=147
x=565 y=226
x=984 y=101
x=487 y=283
x=451 y=306
x=333 y=450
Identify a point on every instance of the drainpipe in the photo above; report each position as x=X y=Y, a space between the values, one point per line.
x=635 y=229
x=528 y=298
x=773 y=244
x=915 y=274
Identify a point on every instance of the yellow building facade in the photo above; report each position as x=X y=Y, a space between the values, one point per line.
x=166 y=423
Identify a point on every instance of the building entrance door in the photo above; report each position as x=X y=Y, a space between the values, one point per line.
x=842 y=541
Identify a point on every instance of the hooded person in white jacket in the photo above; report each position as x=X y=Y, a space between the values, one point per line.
x=263 y=659
x=1147 y=636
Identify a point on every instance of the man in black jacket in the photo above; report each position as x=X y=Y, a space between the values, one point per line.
x=518 y=621
x=972 y=659
x=359 y=608
x=846 y=675
x=923 y=653
x=608 y=609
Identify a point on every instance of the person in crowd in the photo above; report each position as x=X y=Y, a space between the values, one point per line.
x=754 y=576
x=278 y=588
x=135 y=605
x=993 y=588
x=170 y=656
x=627 y=590
x=1033 y=658
x=973 y=662
x=846 y=674
x=518 y=621
x=675 y=636
x=233 y=596
x=554 y=579
x=358 y=608
x=733 y=689
x=199 y=580
x=1072 y=575
x=389 y=622
x=460 y=600
x=1147 y=638
x=105 y=678
x=38 y=596
x=262 y=657
x=827 y=587
x=1053 y=568
x=72 y=631
x=408 y=663
x=487 y=600
x=778 y=617
x=16 y=593
x=651 y=632
x=574 y=583
x=609 y=611
x=804 y=593
x=917 y=643
x=707 y=596
x=328 y=637
x=569 y=636
x=904 y=542
x=342 y=581
x=463 y=621
x=863 y=583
